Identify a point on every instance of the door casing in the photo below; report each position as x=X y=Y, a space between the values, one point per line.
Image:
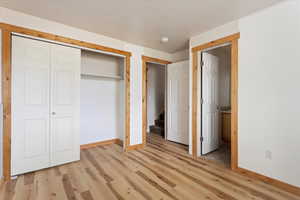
x=233 y=40
x=145 y=60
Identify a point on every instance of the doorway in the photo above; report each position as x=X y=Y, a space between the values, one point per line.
x=196 y=94
x=165 y=84
x=156 y=101
x=216 y=104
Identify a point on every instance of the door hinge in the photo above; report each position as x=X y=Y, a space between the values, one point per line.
x=202 y=63
x=201 y=139
x=201 y=101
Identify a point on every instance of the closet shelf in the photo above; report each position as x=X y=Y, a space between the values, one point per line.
x=93 y=76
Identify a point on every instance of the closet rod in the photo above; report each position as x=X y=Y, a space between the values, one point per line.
x=92 y=76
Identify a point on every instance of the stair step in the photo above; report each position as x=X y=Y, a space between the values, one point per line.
x=160 y=123
x=157 y=130
x=162 y=116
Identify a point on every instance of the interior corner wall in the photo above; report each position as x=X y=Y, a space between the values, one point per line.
x=268 y=84
x=180 y=55
x=155 y=92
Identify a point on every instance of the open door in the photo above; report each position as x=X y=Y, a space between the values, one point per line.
x=178 y=92
x=210 y=116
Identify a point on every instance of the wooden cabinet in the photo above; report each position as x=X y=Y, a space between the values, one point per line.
x=226 y=127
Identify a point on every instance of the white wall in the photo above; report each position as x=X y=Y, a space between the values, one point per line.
x=268 y=115
x=268 y=92
x=101 y=64
x=102 y=108
x=155 y=92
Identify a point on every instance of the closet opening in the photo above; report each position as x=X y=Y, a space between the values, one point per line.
x=43 y=79
x=102 y=107
x=216 y=104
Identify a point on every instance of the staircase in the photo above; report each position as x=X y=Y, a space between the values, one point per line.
x=159 y=127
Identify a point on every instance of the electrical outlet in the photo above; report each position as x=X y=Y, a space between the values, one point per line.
x=268 y=155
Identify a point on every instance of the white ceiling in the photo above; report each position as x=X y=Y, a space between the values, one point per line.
x=142 y=22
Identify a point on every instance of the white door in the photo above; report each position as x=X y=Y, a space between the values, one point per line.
x=65 y=104
x=210 y=114
x=178 y=94
x=45 y=105
x=30 y=105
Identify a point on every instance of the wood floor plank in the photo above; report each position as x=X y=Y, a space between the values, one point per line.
x=219 y=193
x=228 y=176
x=162 y=170
x=134 y=183
x=68 y=187
x=29 y=178
x=87 y=195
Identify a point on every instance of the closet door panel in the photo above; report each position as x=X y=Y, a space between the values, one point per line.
x=65 y=90
x=30 y=105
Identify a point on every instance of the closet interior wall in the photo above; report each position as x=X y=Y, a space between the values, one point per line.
x=102 y=115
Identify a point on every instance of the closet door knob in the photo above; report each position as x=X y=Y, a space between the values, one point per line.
x=53 y=113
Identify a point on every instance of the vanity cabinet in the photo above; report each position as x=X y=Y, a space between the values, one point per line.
x=226 y=126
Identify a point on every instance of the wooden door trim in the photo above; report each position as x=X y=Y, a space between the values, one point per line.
x=145 y=60
x=6 y=100
x=148 y=59
x=7 y=31
x=233 y=40
x=58 y=38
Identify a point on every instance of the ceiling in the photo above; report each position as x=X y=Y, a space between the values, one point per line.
x=142 y=22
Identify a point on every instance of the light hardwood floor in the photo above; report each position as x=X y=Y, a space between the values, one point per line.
x=163 y=170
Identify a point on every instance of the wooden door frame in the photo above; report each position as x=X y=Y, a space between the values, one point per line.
x=7 y=31
x=145 y=60
x=233 y=40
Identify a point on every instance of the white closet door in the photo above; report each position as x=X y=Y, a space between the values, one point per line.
x=178 y=102
x=30 y=105
x=65 y=104
x=210 y=116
